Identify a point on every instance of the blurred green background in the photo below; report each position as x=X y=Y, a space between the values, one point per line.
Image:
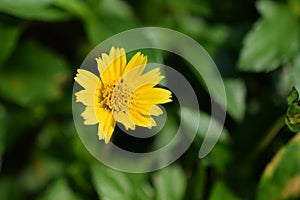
x=255 y=45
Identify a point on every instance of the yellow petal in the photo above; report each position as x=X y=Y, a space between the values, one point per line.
x=153 y=123
x=106 y=124
x=87 y=98
x=118 y=64
x=101 y=63
x=156 y=111
x=89 y=116
x=87 y=80
x=137 y=62
x=111 y=66
x=143 y=109
x=149 y=95
x=140 y=114
x=140 y=119
x=101 y=135
x=135 y=80
x=123 y=118
x=151 y=77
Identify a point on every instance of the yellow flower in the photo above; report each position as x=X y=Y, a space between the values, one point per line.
x=122 y=93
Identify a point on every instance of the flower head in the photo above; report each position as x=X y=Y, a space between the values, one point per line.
x=292 y=118
x=121 y=94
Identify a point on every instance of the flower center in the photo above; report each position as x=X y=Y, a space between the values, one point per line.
x=116 y=96
x=295 y=119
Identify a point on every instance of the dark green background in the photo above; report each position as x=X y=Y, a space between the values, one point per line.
x=255 y=46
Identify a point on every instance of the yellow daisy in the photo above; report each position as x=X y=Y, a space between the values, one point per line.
x=121 y=94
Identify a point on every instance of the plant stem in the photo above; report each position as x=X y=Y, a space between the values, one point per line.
x=268 y=137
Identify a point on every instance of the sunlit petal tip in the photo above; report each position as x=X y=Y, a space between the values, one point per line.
x=156 y=111
x=100 y=133
x=130 y=127
x=98 y=60
x=77 y=93
x=145 y=59
x=106 y=141
x=87 y=79
x=153 y=123
x=89 y=122
x=125 y=120
x=103 y=55
x=80 y=70
x=112 y=50
x=122 y=50
x=89 y=116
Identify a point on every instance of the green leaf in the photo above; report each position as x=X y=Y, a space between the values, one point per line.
x=111 y=184
x=116 y=20
x=9 y=188
x=204 y=124
x=2 y=132
x=289 y=77
x=167 y=133
x=124 y=11
x=96 y=31
x=34 y=75
x=294 y=5
x=295 y=71
x=76 y=7
x=99 y=30
x=197 y=182
x=219 y=158
x=213 y=37
x=41 y=169
x=294 y=109
x=221 y=191
x=9 y=38
x=26 y=119
x=281 y=177
x=236 y=98
x=293 y=96
x=267 y=45
x=33 y=10
x=170 y=183
x=59 y=190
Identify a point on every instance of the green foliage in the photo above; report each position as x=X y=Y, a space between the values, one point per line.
x=9 y=188
x=281 y=177
x=293 y=113
x=256 y=46
x=111 y=184
x=293 y=96
x=9 y=38
x=170 y=183
x=24 y=83
x=204 y=124
x=236 y=98
x=220 y=191
x=268 y=45
x=295 y=71
x=33 y=10
x=2 y=131
x=59 y=190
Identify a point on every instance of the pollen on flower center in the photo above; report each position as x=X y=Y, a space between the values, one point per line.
x=115 y=96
